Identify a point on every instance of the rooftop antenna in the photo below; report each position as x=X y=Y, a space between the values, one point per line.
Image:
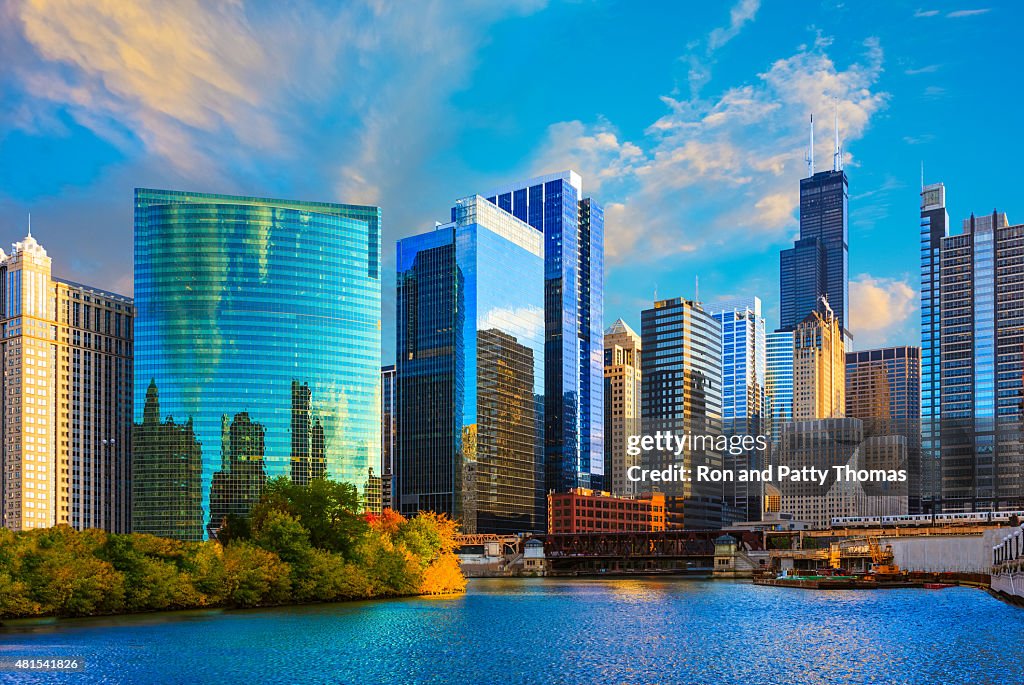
x=30 y=224
x=837 y=156
x=655 y=291
x=809 y=157
x=922 y=174
x=696 y=288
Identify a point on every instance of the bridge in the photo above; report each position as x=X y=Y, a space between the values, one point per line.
x=670 y=551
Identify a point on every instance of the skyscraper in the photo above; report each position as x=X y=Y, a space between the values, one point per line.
x=622 y=389
x=470 y=371
x=779 y=380
x=823 y=243
x=573 y=228
x=682 y=393
x=745 y=407
x=981 y=332
x=934 y=228
x=258 y=352
x=66 y=353
x=819 y=368
x=388 y=433
x=883 y=390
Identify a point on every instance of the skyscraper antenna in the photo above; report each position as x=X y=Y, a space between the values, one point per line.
x=837 y=156
x=696 y=288
x=922 y=174
x=809 y=157
x=30 y=224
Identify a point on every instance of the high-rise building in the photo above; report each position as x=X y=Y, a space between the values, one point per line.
x=66 y=353
x=682 y=393
x=823 y=243
x=825 y=444
x=779 y=380
x=745 y=407
x=622 y=388
x=819 y=368
x=883 y=390
x=388 y=433
x=257 y=352
x=981 y=332
x=470 y=371
x=573 y=229
x=934 y=228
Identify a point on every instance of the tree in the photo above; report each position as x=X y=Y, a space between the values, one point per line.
x=254 y=576
x=327 y=509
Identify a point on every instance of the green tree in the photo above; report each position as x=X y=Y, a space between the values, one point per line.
x=327 y=509
x=254 y=576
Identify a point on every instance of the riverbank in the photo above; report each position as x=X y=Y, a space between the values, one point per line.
x=299 y=546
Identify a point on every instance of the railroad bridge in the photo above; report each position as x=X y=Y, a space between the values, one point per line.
x=670 y=551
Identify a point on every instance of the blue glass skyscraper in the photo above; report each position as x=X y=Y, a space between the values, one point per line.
x=934 y=227
x=744 y=400
x=257 y=352
x=470 y=371
x=573 y=228
x=779 y=380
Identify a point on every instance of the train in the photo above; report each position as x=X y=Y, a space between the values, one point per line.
x=968 y=518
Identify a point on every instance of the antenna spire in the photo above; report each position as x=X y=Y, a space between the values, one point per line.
x=30 y=224
x=922 y=174
x=837 y=156
x=696 y=288
x=809 y=157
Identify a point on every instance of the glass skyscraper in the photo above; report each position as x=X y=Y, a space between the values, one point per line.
x=779 y=380
x=257 y=352
x=744 y=399
x=818 y=263
x=934 y=227
x=981 y=333
x=682 y=393
x=573 y=228
x=470 y=371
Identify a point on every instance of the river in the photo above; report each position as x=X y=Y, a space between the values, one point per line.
x=512 y=631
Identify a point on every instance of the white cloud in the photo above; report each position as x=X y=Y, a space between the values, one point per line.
x=882 y=310
x=743 y=12
x=967 y=13
x=715 y=173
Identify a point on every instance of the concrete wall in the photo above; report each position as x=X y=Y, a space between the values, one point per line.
x=965 y=553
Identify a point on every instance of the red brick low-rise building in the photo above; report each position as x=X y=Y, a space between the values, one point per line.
x=590 y=511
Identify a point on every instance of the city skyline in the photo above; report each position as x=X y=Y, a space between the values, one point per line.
x=717 y=127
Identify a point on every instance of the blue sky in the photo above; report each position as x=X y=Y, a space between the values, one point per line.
x=687 y=120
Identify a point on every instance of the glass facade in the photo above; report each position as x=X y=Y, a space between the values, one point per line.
x=470 y=371
x=257 y=352
x=573 y=229
x=779 y=380
x=934 y=227
x=744 y=399
x=824 y=201
x=982 y=373
x=682 y=393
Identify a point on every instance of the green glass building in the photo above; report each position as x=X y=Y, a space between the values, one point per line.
x=257 y=352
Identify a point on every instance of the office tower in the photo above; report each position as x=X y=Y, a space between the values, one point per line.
x=573 y=228
x=823 y=244
x=883 y=390
x=934 y=227
x=745 y=408
x=258 y=352
x=779 y=380
x=388 y=433
x=682 y=393
x=824 y=444
x=470 y=371
x=622 y=388
x=981 y=331
x=589 y=511
x=819 y=368
x=66 y=352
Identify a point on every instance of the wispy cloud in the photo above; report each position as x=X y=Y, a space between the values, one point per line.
x=926 y=13
x=967 y=13
x=690 y=182
x=742 y=13
x=930 y=69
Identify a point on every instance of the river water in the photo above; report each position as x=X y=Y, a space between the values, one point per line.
x=511 y=631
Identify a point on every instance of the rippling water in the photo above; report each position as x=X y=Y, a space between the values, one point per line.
x=559 y=631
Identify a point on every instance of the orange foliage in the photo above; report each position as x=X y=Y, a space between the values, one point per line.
x=388 y=521
x=443 y=576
